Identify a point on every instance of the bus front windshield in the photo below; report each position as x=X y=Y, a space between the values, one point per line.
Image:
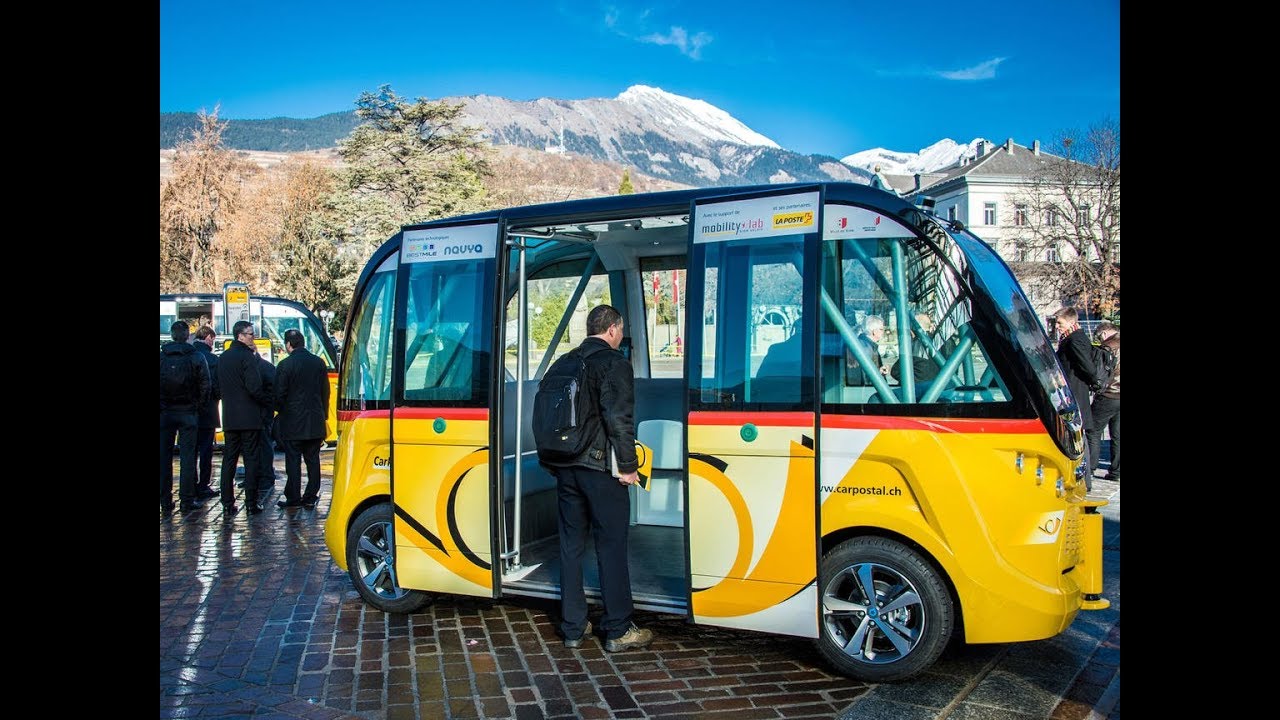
x=1023 y=329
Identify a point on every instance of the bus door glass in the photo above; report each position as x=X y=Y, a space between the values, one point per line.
x=440 y=485
x=752 y=486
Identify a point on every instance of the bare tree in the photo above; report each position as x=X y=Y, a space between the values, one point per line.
x=1067 y=226
x=194 y=205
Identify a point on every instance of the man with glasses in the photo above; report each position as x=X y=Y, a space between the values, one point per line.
x=244 y=398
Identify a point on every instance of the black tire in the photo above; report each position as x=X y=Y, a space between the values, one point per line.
x=371 y=563
x=910 y=626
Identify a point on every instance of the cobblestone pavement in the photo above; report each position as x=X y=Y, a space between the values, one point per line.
x=257 y=621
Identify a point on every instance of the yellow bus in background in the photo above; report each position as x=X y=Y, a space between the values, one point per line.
x=878 y=496
x=271 y=317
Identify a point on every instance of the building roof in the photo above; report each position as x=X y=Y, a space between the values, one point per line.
x=1006 y=160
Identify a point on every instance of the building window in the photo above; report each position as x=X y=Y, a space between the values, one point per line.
x=1020 y=215
x=1023 y=254
x=1086 y=214
x=1052 y=255
x=951 y=213
x=1051 y=217
x=989 y=214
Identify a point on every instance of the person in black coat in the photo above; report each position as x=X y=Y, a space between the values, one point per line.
x=302 y=399
x=1076 y=358
x=243 y=403
x=267 y=442
x=209 y=420
x=179 y=406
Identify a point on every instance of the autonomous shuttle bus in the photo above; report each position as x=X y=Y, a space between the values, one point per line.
x=859 y=431
x=271 y=317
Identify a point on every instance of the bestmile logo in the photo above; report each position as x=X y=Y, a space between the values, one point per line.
x=793 y=219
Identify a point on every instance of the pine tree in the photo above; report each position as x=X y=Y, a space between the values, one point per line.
x=626 y=188
x=406 y=163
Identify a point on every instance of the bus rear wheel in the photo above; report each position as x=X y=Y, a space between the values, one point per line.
x=371 y=563
x=886 y=611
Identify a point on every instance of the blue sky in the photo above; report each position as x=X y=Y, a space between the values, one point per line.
x=831 y=77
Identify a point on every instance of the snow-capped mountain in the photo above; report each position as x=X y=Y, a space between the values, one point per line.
x=944 y=153
x=657 y=132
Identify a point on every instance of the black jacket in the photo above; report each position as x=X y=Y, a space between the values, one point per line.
x=209 y=410
x=611 y=395
x=302 y=396
x=1075 y=354
x=243 y=395
x=198 y=369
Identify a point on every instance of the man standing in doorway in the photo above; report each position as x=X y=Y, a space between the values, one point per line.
x=302 y=399
x=591 y=499
x=243 y=402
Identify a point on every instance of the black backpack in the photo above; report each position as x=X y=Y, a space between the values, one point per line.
x=1104 y=366
x=177 y=379
x=563 y=422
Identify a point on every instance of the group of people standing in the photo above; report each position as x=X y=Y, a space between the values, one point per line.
x=192 y=382
x=1079 y=362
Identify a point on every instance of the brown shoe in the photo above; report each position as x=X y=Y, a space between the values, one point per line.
x=633 y=639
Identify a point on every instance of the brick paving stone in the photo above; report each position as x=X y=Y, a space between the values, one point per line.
x=256 y=620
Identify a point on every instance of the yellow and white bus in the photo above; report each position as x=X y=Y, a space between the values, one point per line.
x=271 y=317
x=798 y=486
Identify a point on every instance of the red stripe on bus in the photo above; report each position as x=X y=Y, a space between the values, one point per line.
x=349 y=415
x=768 y=419
x=946 y=425
x=420 y=413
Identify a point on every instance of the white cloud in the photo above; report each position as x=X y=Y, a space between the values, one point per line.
x=691 y=46
x=981 y=71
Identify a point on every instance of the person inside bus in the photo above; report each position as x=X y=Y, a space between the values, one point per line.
x=592 y=501
x=209 y=419
x=870 y=337
x=302 y=397
x=243 y=401
x=923 y=368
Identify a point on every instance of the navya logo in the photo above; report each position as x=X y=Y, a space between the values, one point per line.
x=793 y=219
x=464 y=249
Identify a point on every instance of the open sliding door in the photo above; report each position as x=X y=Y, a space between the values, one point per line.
x=440 y=420
x=752 y=491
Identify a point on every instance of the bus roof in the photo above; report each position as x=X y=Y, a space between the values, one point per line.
x=672 y=201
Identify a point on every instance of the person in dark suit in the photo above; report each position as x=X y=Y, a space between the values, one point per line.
x=302 y=399
x=243 y=403
x=209 y=419
x=1076 y=358
x=179 y=408
x=267 y=441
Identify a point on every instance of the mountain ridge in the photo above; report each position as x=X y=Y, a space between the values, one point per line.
x=683 y=140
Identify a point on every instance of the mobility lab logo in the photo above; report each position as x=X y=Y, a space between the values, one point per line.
x=756 y=218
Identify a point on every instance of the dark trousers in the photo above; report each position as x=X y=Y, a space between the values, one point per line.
x=182 y=425
x=295 y=451
x=235 y=444
x=267 y=463
x=1106 y=414
x=591 y=500
x=204 y=457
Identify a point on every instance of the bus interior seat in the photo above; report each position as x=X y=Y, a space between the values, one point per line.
x=663 y=503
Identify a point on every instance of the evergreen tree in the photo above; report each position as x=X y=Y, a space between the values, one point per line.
x=406 y=163
x=626 y=188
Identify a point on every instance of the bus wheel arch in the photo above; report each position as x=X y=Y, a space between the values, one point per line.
x=370 y=561
x=914 y=618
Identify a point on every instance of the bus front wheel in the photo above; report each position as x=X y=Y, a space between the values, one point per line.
x=886 y=611
x=371 y=563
